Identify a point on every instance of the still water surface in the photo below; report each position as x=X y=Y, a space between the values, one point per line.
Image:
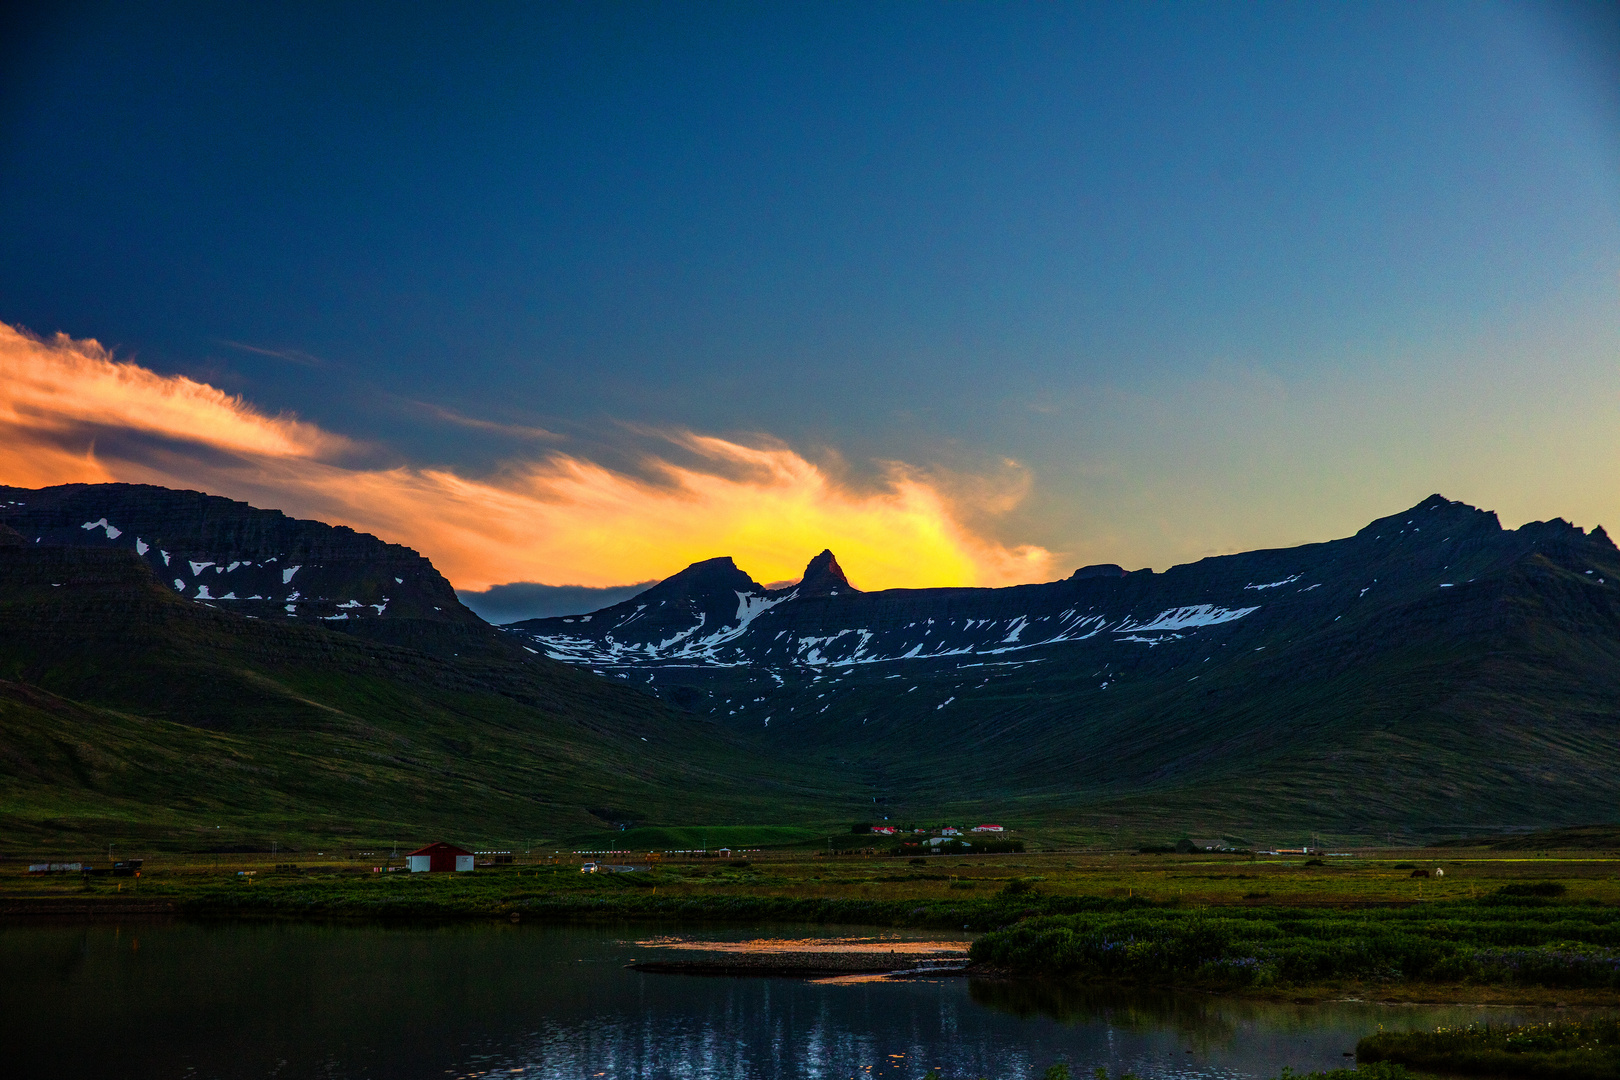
x=291 y=1001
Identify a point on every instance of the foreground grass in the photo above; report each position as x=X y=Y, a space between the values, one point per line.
x=1574 y=1050
x=1381 y=1070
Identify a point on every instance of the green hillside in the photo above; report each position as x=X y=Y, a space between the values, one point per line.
x=129 y=713
x=1484 y=704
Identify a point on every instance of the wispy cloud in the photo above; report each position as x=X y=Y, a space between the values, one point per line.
x=292 y=356
x=555 y=518
x=56 y=396
x=515 y=431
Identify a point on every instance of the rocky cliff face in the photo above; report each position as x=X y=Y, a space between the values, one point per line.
x=240 y=558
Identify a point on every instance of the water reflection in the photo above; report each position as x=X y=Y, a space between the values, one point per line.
x=230 y=1001
x=1203 y=1020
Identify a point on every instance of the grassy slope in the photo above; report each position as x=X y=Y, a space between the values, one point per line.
x=293 y=732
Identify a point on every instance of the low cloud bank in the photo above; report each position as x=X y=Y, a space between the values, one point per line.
x=521 y=600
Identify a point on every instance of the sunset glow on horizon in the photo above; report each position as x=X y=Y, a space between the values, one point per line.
x=972 y=294
x=71 y=413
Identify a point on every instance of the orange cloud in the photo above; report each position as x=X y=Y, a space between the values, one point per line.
x=557 y=519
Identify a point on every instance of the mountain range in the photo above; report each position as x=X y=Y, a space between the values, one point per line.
x=1433 y=668
x=191 y=669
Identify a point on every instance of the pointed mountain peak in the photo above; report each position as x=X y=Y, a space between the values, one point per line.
x=719 y=575
x=824 y=577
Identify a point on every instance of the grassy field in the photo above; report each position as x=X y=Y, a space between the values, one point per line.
x=1360 y=926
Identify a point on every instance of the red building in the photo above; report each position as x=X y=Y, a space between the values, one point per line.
x=439 y=857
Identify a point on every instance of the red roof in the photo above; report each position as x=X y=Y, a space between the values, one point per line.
x=438 y=847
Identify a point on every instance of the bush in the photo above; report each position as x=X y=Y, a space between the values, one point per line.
x=1379 y=1070
x=1533 y=888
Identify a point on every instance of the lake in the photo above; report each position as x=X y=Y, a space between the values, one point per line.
x=291 y=1000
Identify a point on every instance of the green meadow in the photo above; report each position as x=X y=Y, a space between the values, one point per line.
x=1494 y=928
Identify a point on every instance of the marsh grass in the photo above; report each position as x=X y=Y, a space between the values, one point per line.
x=1496 y=941
x=1565 y=1050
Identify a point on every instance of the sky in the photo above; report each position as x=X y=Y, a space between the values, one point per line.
x=572 y=295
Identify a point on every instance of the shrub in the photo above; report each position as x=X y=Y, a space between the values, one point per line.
x=1378 y=1070
x=1533 y=888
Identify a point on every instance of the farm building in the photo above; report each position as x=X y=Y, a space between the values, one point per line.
x=437 y=857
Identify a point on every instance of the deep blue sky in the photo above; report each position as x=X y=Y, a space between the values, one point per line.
x=1211 y=274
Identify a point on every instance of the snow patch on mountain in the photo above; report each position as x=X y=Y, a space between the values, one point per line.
x=1276 y=584
x=1182 y=617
